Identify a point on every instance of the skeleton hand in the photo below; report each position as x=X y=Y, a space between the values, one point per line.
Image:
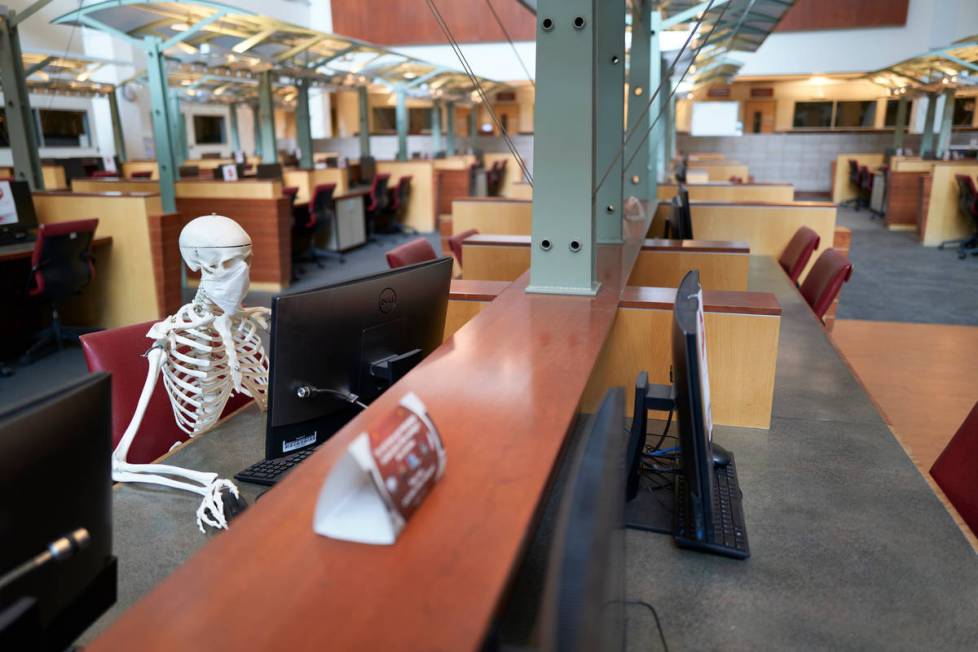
x=212 y=508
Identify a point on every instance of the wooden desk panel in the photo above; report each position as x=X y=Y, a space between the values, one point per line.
x=942 y=220
x=841 y=189
x=903 y=198
x=115 y=185
x=129 y=167
x=452 y=185
x=220 y=189
x=493 y=215
x=54 y=177
x=731 y=192
x=267 y=221
x=467 y=299
x=421 y=207
x=718 y=271
x=307 y=180
x=721 y=171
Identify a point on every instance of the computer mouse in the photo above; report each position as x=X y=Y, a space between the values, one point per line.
x=720 y=455
x=233 y=505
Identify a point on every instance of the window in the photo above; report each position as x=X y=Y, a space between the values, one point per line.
x=892 y=106
x=813 y=115
x=385 y=119
x=855 y=114
x=209 y=129
x=964 y=111
x=63 y=128
x=419 y=121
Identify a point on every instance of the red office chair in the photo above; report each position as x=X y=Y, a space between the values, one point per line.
x=825 y=279
x=954 y=470
x=61 y=266
x=104 y=174
x=798 y=252
x=144 y=174
x=119 y=351
x=409 y=253
x=397 y=203
x=376 y=203
x=455 y=243
x=968 y=207
x=865 y=187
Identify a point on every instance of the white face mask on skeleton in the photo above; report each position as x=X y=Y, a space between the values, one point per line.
x=207 y=350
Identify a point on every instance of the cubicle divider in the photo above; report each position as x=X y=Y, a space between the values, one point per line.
x=660 y=263
x=54 y=177
x=765 y=227
x=511 y=177
x=731 y=192
x=307 y=180
x=742 y=339
x=422 y=205
x=495 y=215
x=137 y=278
x=940 y=219
x=719 y=170
x=904 y=187
x=842 y=190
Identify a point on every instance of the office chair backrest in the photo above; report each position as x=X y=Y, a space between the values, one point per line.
x=455 y=242
x=61 y=264
x=120 y=352
x=799 y=251
x=854 y=171
x=865 y=178
x=402 y=193
x=954 y=470
x=378 y=193
x=322 y=200
x=825 y=279
x=409 y=253
x=291 y=192
x=967 y=197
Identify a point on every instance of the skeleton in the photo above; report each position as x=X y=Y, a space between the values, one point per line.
x=210 y=348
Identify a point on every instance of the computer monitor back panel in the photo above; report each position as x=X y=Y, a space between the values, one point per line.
x=16 y=207
x=55 y=477
x=328 y=339
x=691 y=406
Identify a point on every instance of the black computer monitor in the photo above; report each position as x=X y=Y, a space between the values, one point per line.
x=692 y=396
x=682 y=215
x=55 y=477
x=354 y=339
x=17 y=216
x=269 y=171
x=583 y=603
x=368 y=169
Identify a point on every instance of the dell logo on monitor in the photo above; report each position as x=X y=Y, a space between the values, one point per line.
x=388 y=300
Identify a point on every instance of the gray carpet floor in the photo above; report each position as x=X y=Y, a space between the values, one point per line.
x=58 y=369
x=896 y=279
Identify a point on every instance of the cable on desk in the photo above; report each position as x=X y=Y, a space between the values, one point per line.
x=658 y=623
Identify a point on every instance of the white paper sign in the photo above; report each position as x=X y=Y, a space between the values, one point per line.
x=108 y=164
x=229 y=172
x=382 y=479
x=8 y=209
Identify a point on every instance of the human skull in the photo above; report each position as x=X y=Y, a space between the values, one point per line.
x=220 y=250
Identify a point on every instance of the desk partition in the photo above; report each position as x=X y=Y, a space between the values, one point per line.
x=719 y=170
x=495 y=215
x=138 y=277
x=731 y=192
x=841 y=188
x=940 y=218
x=422 y=205
x=307 y=180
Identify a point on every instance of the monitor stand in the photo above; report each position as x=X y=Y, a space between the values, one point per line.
x=651 y=510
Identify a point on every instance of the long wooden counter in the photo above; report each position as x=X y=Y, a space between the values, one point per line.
x=661 y=263
x=720 y=170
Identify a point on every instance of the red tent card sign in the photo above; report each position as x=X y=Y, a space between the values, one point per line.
x=383 y=477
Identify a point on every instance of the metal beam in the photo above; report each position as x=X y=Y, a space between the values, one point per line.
x=900 y=130
x=256 y=128
x=266 y=118
x=450 y=128
x=28 y=12
x=303 y=125
x=609 y=128
x=927 y=139
x=40 y=65
x=363 y=95
x=178 y=129
x=435 y=126
x=20 y=119
x=474 y=121
x=654 y=128
x=401 y=115
x=163 y=125
x=689 y=14
x=636 y=157
x=180 y=37
x=117 y=135
x=235 y=137
x=960 y=62
x=530 y=5
x=947 y=121
x=299 y=48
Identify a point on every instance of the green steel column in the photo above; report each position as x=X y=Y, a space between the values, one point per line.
x=266 y=118
x=671 y=147
x=901 y=118
x=303 y=125
x=947 y=121
x=564 y=225
x=637 y=172
x=364 y=96
x=20 y=120
x=450 y=127
x=401 y=115
x=609 y=65
x=163 y=124
x=654 y=143
x=435 y=126
x=235 y=139
x=117 y=135
x=256 y=127
x=663 y=146
x=474 y=121
x=927 y=140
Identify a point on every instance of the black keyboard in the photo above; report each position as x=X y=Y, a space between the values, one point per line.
x=268 y=472
x=729 y=533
